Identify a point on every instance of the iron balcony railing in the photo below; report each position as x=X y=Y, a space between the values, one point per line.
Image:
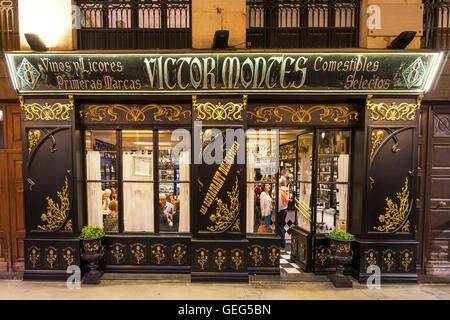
x=9 y=27
x=134 y=24
x=436 y=24
x=303 y=23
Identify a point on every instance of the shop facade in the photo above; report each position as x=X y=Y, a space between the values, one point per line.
x=100 y=133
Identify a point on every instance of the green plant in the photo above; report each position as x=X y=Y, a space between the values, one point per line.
x=91 y=232
x=339 y=235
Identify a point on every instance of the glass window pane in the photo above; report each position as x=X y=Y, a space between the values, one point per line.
x=174 y=207
x=174 y=177
x=262 y=166
x=138 y=187
x=101 y=155
x=332 y=206
x=138 y=207
x=103 y=205
x=304 y=180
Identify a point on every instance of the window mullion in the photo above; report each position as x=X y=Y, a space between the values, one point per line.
x=120 y=179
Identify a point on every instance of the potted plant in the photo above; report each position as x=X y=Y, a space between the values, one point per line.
x=91 y=237
x=342 y=255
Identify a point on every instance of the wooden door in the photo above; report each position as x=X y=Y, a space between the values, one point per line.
x=437 y=194
x=12 y=217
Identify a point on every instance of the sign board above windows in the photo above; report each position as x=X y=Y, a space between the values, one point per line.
x=197 y=73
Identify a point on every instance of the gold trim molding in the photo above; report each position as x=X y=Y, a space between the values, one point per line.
x=135 y=113
x=393 y=112
x=376 y=138
x=46 y=112
x=229 y=112
x=299 y=114
x=33 y=139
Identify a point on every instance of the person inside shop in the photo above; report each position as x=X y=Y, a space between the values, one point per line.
x=106 y=199
x=111 y=222
x=257 y=213
x=113 y=194
x=167 y=216
x=266 y=207
x=283 y=199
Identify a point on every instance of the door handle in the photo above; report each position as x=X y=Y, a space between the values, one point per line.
x=442 y=204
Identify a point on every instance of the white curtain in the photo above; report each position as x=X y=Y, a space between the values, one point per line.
x=342 y=194
x=137 y=197
x=250 y=192
x=95 y=216
x=184 y=198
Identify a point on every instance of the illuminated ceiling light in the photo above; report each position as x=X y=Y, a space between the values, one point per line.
x=35 y=42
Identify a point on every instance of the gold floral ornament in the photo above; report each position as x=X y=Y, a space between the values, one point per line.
x=68 y=257
x=159 y=254
x=339 y=114
x=323 y=254
x=138 y=253
x=388 y=260
x=219 y=259
x=236 y=259
x=273 y=255
x=179 y=254
x=393 y=112
x=230 y=111
x=376 y=138
x=34 y=257
x=136 y=113
x=225 y=214
x=51 y=258
x=46 y=112
x=395 y=214
x=256 y=255
x=33 y=139
x=406 y=260
x=202 y=259
x=371 y=259
x=56 y=214
x=117 y=253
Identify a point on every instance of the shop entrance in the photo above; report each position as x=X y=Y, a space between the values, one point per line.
x=306 y=198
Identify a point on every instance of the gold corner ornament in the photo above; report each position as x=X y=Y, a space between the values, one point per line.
x=47 y=112
x=393 y=112
x=299 y=114
x=57 y=214
x=226 y=214
x=229 y=112
x=33 y=139
x=396 y=214
x=376 y=138
x=136 y=113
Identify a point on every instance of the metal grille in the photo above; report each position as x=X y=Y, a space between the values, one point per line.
x=436 y=24
x=9 y=26
x=134 y=24
x=302 y=23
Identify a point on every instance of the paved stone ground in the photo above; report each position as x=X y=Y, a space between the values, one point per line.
x=180 y=289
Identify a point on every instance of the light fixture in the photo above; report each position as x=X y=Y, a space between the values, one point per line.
x=221 y=39
x=35 y=42
x=402 y=40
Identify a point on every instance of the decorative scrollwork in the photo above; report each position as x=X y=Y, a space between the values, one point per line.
x=56 y=214
x=394 y=112
x=46 y=112
x=339 y=114
x=395 y=215
x=225 y=215
x=135 y=113
x=230 y=111
x=33 y=139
